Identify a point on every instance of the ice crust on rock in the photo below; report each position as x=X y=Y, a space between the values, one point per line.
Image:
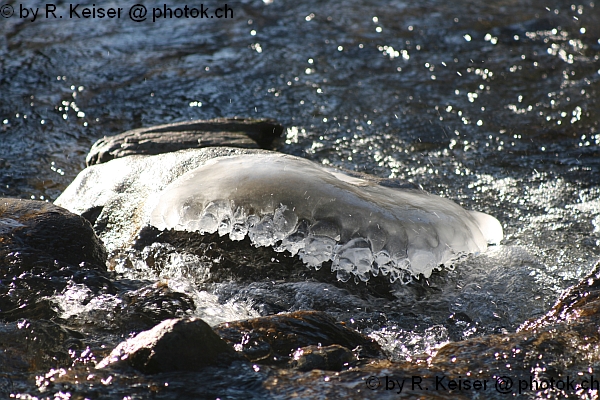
x=323 y=214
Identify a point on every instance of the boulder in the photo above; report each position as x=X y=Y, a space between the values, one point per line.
x=43 y=247
x=53 y=233
x=220 y=132
x=118 y=196
x=173 y=345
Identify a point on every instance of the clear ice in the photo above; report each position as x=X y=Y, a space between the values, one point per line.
x=322 y=214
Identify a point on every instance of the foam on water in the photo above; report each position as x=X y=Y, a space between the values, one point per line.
x=320 y=214
x=401 y=345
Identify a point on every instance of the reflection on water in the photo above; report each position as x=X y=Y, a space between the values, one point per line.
x=493 y=105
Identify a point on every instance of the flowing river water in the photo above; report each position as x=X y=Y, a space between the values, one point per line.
x=493 y=105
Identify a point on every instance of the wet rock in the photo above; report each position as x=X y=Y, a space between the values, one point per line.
x=557 y=353
x=239 y=261
x=29 y=345
x=330 y=358
x=231 y=132
x=15 y=309
x=149 y=305
x=136 y=306
x=42 y=248
x=173 y=345
x=564 y=340
x=546 y=351
x=49 y=232
x=579 y=302
x=274 y=339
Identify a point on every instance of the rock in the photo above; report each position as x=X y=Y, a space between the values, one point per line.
x=562 y=341
x=329 y=358
x=42 y=248
x=231 y=132
x=558 y=354
x=322 y=214
x=273 y=339
x=581 y=301
x=51 y=232
x=173 y=345
x=118 y=196
x=151 y=304
x=29 y=345
x=263 y=264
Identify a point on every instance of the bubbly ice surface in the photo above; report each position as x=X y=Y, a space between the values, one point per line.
x=323 y=214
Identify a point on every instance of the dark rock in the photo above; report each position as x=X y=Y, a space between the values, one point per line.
x=329 y=358
x=240 y=261
x=173 y=345
x=273 y=339
x=36 y=309
x=147 y=306
x=29 y=345
x=42 y=248
x=49 y=232
x=230 y=132
x=562 y=342
x=581 y=301
x=557 y=353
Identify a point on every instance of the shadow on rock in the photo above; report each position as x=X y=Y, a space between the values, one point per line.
x=241 y=262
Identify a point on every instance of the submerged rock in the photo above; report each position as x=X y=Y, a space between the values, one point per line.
x=220 y=132
x=149 y=305
x=330 y=358
x=30 y=345
x=274 y=339
x=173 y=345
x=136 y=306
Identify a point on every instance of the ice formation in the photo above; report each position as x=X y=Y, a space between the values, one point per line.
x=323 y=214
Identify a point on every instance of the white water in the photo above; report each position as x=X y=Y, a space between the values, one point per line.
x=320 y=214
